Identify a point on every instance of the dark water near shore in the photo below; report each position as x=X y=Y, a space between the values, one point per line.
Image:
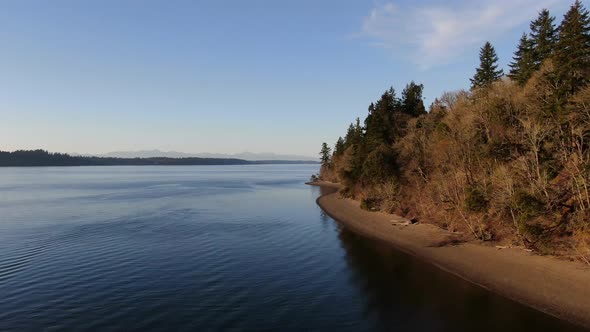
x=204 y=248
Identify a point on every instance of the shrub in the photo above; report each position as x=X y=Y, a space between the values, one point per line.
x=475 y=200
x=346 y=192
x=528 y=207
x=370 y=203
x=582 y=243
x=379 y=165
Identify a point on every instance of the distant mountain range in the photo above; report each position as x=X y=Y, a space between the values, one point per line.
x=174 y=154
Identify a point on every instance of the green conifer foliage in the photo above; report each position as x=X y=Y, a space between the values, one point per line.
x=523 y=66
x=325 y=154
x=412 y=102
x=543 y=37
x=379 y=124
x=572 y=51
x=488 y=71
x=339 y=147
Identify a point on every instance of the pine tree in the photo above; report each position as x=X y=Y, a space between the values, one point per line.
x=349 y=137
x=354 y=134
x=379 y=124
x=412 y=103
x=543 y=37
x=358 y=129
x=523 y=66
x=572 y=51
x=488 y=71
x=325 y=154
x=354 y=143
x=339 y=147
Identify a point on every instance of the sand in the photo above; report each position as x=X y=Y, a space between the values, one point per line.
x=555 y=286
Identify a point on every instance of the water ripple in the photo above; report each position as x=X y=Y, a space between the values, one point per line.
x=208 y=249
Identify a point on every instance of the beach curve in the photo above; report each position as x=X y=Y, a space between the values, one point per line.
x=554 y=286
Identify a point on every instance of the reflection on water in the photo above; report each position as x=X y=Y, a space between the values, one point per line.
x=403 y=293
x=197 y=248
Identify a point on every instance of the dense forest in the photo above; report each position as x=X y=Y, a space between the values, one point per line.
x=506 y=161
x=44 y=158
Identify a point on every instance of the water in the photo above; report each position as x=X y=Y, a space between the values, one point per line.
x=202 y=248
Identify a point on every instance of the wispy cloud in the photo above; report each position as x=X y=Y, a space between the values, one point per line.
x=432 y=35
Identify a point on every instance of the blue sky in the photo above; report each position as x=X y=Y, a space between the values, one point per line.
x=230 y=76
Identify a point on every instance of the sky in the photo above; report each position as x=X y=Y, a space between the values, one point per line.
x=231 y=76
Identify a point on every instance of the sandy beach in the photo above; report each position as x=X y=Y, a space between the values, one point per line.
x=555 y=286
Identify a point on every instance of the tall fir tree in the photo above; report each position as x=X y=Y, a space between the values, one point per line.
x=523 y=66
x=379 y=123
x=354 y=134
x=488 y=71
x=339 y=147
x=325 y=154
x=543 y=37
x=358 y=131
x=572 y=51
x=349 y=137
x=412 y=102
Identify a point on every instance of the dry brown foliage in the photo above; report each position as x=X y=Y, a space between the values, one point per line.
x=506 y=163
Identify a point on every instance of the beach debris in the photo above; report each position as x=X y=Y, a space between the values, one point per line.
x=405 y=222
x=399 y=223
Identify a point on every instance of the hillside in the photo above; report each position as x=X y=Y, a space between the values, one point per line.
x=507 y=160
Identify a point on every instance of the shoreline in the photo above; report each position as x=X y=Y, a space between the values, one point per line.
x=556 y=287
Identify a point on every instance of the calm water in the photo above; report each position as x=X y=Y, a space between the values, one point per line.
x=213 y=248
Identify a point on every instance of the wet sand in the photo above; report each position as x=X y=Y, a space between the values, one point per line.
x=555 y=286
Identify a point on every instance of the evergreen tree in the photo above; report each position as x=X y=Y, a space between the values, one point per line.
x=523 y=66
x=488 y=71
x=358 y=129
x=379 y=124
x=339 y=147
x=572 y=51
x=325 y=154
x=353 y=135
x=349 y=137
x=412 y=103
x=543 y=37
x=358 y=152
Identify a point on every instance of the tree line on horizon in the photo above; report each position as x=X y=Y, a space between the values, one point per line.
x=44 y=158
x=507 y=160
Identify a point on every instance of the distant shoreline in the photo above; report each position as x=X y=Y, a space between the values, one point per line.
x=171 y=165
x=557 y=287
x=41 y=158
